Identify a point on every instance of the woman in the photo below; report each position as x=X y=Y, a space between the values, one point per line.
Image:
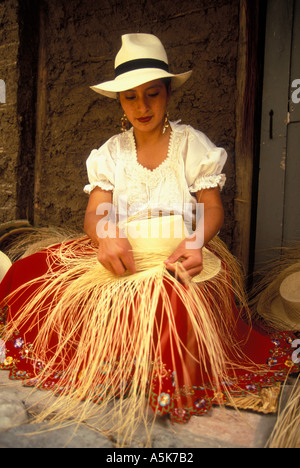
x=145 y=107
x=108 y=315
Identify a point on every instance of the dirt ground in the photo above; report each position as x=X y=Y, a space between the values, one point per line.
x=220 y=428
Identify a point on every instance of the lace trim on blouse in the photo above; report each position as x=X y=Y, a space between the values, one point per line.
x=150 y=177
x=207 y=182
x=103 y=184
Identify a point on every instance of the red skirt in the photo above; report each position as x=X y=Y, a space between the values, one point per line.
x=181 y=383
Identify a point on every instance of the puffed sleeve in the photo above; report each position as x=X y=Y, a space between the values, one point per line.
x=204 y=162
x=101 y=167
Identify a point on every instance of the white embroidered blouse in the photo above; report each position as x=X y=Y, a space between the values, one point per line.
x=193 y=163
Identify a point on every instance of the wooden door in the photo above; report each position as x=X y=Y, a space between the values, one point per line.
x=278 y=212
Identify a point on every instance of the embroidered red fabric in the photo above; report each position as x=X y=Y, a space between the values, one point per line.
x=273 y=353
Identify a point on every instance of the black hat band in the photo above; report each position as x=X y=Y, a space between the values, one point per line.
x=140 y=63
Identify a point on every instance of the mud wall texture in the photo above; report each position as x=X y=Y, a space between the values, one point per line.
x=9 y=125
x=50 y=125
x=18 y=69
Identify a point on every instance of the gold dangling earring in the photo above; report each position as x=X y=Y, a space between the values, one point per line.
x=124 y=122
x=166 y=123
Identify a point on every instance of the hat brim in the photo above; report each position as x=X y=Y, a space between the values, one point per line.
x=135 y=78
x=279 y=316
x=211 y=267
x=270 y=306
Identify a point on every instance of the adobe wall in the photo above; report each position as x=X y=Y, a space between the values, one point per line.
x=78 y=41
x=9 y=124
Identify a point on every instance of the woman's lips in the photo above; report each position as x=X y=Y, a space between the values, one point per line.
x=144 y=119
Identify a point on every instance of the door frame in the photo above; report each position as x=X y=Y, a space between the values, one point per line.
x=248 y=117
x=275 y=118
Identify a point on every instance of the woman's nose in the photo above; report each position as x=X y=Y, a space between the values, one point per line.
x=142 y=104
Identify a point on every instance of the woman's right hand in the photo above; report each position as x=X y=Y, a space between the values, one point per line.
x=115 y=252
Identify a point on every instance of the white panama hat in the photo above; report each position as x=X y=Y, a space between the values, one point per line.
x=142 y=58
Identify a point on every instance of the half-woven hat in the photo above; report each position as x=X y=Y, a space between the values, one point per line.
x=160 y=236
x=142 y=58
x=279 y=303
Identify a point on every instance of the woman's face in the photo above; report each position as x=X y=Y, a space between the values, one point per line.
x=145 y=106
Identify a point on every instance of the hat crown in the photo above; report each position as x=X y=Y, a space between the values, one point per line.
x=140 y=46
x=290 y=288
x=290 y=295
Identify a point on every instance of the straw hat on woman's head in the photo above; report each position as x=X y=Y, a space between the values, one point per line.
x=142 y=58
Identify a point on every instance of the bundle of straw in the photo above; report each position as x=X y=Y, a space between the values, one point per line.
x=107 y=336
x=286 y=433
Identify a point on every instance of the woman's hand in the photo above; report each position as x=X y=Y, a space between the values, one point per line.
x=189 y=255
x=190 y=259
x=115 y=251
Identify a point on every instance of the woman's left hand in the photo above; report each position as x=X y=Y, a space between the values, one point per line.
x=190 y=259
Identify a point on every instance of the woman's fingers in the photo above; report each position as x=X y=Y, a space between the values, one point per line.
x=128 y=261
x=189 y=260
x=193 y=264
x=116 y=256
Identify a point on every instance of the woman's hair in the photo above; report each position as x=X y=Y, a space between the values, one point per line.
x=167 y=83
